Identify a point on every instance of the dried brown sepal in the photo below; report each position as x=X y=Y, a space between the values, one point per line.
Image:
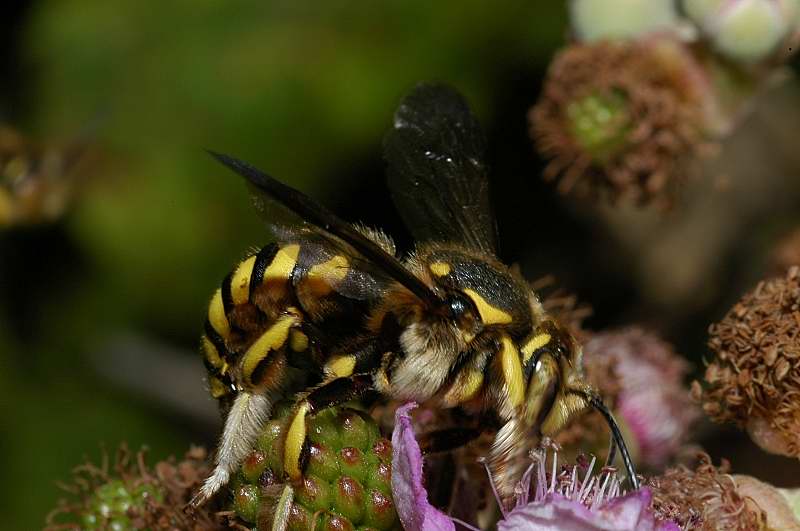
x=176 y=481
x=706 y=498
x=753 y=380
x=664 y=96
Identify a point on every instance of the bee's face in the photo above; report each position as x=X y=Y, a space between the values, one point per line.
x=556 y=390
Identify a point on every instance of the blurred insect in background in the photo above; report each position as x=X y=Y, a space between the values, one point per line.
x=334 y=307
x=37 y=181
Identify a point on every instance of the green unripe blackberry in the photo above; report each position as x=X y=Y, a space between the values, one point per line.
x=128 y=495
x=346 y=483
x=109 y=505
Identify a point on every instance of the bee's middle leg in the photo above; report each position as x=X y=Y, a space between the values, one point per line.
x=329 y=394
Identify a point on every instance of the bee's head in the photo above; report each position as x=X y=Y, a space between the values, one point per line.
x=552 y=367
x=556 y=389
x=475 y=293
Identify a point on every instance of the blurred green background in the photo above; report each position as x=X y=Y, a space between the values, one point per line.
x=100 y=311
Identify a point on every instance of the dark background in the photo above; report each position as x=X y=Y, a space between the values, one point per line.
x=100 y=311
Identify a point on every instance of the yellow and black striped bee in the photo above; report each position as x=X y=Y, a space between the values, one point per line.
x=447 y=324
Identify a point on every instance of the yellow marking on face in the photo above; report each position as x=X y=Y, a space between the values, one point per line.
x=341 y=367
x=273 y=339
x=217 y=388
x=323 y=276
x=211 y=354
x=281 y=267
x=293 y=447
x=489 y=314
x=512 y=372
x=240 y=281
x=440 y=269
x=298 y=341
x=464 y=388
x=535 y=343
x=216 y=316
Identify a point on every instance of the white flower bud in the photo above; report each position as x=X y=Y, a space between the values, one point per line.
x=594 y=20
x=744 y=30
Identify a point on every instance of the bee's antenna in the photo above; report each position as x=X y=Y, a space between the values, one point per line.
x=617 y=439
x=612 y=452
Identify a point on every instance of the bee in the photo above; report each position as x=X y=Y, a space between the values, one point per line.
x=447 y=324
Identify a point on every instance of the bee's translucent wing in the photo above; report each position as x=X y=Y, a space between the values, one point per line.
x=279 y=203
x=437 y=173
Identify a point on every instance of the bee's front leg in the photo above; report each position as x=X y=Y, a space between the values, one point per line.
x=507 y=457
x=329 y=394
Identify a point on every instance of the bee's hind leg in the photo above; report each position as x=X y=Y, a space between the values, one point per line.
x=329 y=394
x=245 y=419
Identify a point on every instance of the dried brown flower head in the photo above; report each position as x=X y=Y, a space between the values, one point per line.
x=641 y=377
x=706 y=498
x=130 y=495
x=622 y=117
x=754 y=378
x=786 y=253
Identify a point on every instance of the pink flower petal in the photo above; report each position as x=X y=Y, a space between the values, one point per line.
x=410 y=496
x=628 y=513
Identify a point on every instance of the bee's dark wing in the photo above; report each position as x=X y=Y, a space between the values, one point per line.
x=329 y=231
x=437 y=174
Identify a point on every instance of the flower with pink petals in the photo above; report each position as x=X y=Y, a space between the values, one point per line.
x=561 y=500
x=410 y=496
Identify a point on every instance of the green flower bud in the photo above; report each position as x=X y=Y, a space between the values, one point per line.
x=594 y=20
x=600 y=124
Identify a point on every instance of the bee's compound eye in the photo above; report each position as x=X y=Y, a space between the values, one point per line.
x=458 y=306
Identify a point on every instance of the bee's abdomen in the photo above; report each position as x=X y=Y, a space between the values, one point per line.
x=255 y=319
x=252 y=321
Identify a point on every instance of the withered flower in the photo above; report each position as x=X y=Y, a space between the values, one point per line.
x=753 y=380
x=641 y=378
x=786 y=253
x=622 y=117
x=131 y=495
x=706 y=498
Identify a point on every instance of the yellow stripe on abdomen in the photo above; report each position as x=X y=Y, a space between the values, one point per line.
x=273 y=339
x=217 y=317
x=321 y=278
x=240 y=281
x=280 y=269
